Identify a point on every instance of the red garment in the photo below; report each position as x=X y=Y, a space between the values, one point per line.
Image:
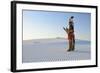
x=71 y=36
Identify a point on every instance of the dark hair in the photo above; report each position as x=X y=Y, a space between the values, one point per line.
x=72 y=17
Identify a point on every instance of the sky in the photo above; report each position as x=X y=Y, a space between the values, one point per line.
x=49 y=24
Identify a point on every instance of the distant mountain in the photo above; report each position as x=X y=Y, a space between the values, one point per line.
x=60 y=38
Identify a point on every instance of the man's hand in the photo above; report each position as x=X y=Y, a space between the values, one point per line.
x=64 y=28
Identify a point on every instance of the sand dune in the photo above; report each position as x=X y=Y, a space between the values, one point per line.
x=44 y=50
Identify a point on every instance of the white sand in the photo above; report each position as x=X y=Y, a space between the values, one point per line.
x=44 y=50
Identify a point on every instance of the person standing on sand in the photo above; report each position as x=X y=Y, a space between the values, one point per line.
x=70 y=32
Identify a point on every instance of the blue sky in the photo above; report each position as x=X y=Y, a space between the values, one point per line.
x=46 y=24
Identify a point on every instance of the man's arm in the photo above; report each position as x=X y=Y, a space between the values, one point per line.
x=66 y=29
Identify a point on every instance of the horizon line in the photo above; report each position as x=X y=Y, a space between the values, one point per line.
x=54 y=38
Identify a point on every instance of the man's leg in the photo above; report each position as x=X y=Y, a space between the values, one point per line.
x=73 y=45
x=70 y=45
